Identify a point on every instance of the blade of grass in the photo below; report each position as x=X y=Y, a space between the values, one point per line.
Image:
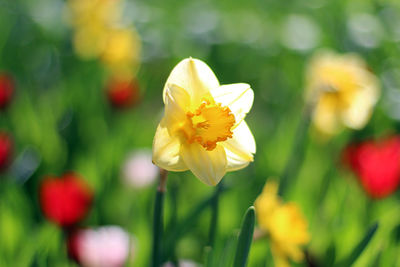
x=213 y=222
x=296 y=156
x=245 y=238
x=330 y=256
x=226 y=257
x=360 y=247
x=182 y=228
x=214 y=216
x=207 y=258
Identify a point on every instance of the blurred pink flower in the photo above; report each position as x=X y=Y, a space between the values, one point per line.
x=107 y=246
x=138 y=170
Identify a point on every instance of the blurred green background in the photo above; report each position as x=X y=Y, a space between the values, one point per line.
x=61 y=120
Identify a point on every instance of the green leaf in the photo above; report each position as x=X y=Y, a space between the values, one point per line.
x=330 y=256
x=245 y=238
x=207 y=259
x=396 y=234
x=296 y=156
x=360 y=247
x=228 y=252
x=213 y=223
x=184 y=226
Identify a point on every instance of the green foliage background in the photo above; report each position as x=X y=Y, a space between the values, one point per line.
x=61 y=118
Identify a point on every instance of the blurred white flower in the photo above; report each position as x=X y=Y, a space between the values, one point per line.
x=390 y=17
x=48 y=15
x=243 y=27
x=300 y=33
x=391 y=82
x=365 y=30
x=107 y=246
x=183 y=263
x=138 y=170
x=199 y=19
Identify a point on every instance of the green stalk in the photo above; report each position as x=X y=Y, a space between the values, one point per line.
x=296 y=156
x=158 y=220
x=326 y=180
x=213 y=223
x=214 y=216
x=245 y=238
x=184 y=226
x=357 y=251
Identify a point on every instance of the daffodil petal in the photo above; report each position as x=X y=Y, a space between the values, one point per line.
x=195 y=76
x=208 y=166
x=238 y=97
x=325 y=116
x=176 y=101
x=358 y=114
x=166 y=151
x=240 y=148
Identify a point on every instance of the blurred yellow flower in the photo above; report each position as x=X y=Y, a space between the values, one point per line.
x=203 y=128
x=92 y=20
x=99 y=34
x=121 y=52
x=346 y=91
x=85 y=12
x=89 y=42
x=284 y=224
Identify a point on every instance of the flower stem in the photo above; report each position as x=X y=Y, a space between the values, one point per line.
x=358 y=250
x=296 y=157
x=186 y=223
x=214 y=221
x=158 y=219
x=324 y=186
x=214 y=215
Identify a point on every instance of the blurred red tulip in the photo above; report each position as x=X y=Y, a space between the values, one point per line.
x=65 y=200
x=6 y=90
x=123 y=93
x=6 y=147
x=377 y=165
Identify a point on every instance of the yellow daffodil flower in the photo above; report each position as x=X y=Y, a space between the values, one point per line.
x=346 y=91
x=284 y=224
x=203 y=128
